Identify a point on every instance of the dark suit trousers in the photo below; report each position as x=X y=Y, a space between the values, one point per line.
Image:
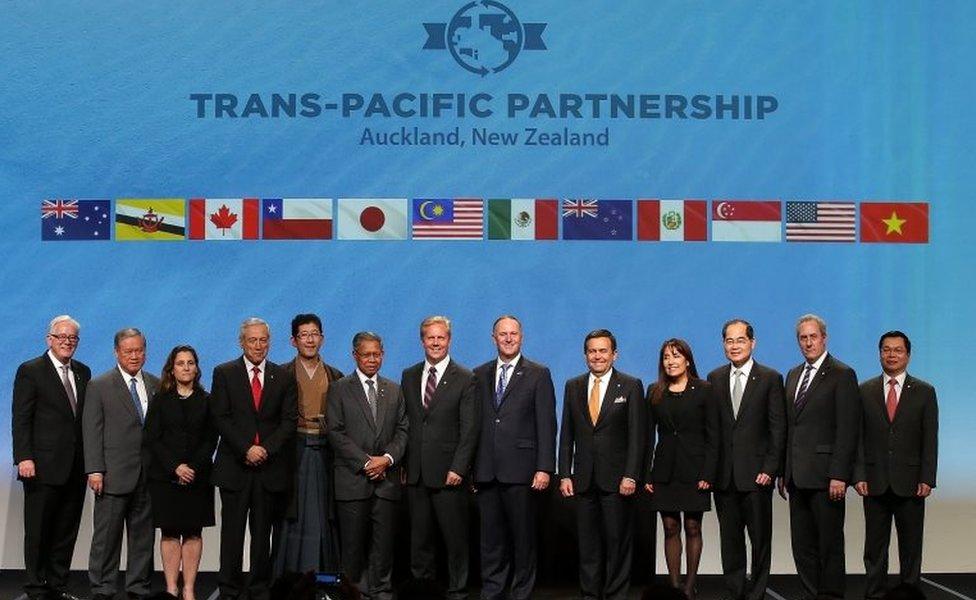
x=366 y=529
x=817 y=532
x=111 y=513
x=52 y=514
x=447 y=506
x=740 y=513
x=605 y=523
x=257 y=508
x=508 y=540
x=909 y=516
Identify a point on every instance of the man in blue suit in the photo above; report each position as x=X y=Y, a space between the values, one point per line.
x=516 y=457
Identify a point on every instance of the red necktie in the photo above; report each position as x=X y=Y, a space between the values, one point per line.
x=256 y=396
x=892 y=402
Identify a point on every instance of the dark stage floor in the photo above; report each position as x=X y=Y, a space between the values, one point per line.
x=782 y=587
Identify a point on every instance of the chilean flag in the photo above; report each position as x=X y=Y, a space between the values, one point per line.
x=297 y=218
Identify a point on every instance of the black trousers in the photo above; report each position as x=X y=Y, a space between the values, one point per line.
x=366 y=530
x=52 y=514
x=817 y=532
x=508 y=540
x=605 y=524
x=741 y=513
x=257 y=508
x=445 y=509
x=909 y=516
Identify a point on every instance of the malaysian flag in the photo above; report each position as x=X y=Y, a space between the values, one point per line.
x=820 y=222
x=447 y=219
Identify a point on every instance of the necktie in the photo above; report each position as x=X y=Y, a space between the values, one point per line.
x=500 y=390
x=804 y=384
x=736 y=393
x=256 y=397
x=135 y=399
x=371 y=396
x=594 y=403
x=72 y=400
x=431 y=387
x=892 y=402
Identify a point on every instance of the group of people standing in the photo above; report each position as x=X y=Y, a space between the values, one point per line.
x=314 y=463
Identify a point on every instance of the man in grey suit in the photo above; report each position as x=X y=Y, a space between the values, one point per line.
x=367 y=429
x=515 y=460
x=896 y=465
x=823 y=416
x=753 y=426
x=114 y=414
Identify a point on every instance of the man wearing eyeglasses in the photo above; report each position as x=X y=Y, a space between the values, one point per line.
x=49 y=394
x=305 y=540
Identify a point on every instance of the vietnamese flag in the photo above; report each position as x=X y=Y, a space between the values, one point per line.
x=895 y=222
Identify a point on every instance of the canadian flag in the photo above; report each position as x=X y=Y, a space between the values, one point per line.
x=224 y=218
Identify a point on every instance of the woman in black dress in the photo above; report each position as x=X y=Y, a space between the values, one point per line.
x=180 y=439
x=682 y=467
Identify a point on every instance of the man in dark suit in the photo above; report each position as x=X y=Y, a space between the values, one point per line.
x=48 y=399
x=253 y=405
x=305 y=539
x=896 y=464
x=823 y=415
x=601 y=448
x=516 y=456
x=444 y=419
x=116 y=404
x=367 y=429
x=753 y=426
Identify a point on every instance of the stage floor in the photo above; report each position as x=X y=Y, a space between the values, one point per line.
x=782 y=587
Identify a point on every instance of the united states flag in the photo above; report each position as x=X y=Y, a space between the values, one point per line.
x=820 y=222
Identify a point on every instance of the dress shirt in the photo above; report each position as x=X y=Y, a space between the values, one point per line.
x=508 y=375
x=439 y=367
x=250 y=370
x=746 y=369
x=71 y=374
x=604 y=380
x=899 y=385
x=140 y=388
x=376 y=385
x=816 y=368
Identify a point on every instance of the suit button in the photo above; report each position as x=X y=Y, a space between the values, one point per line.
x=498 y=420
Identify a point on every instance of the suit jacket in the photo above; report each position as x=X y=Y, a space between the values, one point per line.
x=44 y=428
x=179 y=432
x=443 y=437
x=901 y=453
x=603 y=453
x=519 y=437
x=355 y=436
x=233 y=412
x=113 y=431
x=753 y=442
x=822 y=435
x=687 y=431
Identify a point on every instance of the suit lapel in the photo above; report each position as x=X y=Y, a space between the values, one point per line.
x=360 y=394
x=383 y=397
x=728 y=413
x=53 y=373
x=613 y=392
x=124 y=394
x=514 y=377
x=907 y=395
x=448 y=376
x=817 y=378
x=749 y=391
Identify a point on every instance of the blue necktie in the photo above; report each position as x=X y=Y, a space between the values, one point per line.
x=135 y=399
x=804 y=384
x=500 y=390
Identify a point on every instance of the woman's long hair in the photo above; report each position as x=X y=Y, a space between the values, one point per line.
x=663 y=381
x=167 y=381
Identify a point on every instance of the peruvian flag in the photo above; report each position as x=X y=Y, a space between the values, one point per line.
x=672 y=220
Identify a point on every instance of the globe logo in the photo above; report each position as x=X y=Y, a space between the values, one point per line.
x=484 y=36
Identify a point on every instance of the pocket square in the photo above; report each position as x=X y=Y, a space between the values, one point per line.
x=619 y=400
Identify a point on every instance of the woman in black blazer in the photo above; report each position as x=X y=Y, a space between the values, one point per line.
x=682 y=467
x=180 y=439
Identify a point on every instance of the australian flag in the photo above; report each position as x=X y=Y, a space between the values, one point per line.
x=598 y=219
x=75 y=220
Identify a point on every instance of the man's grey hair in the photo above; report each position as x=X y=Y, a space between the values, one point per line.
x=128 y=332
x=63 y=319
x=251 y=321
x=812 y=317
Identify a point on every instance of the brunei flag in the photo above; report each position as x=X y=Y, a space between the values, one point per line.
x=150 y=219
x=523 y=219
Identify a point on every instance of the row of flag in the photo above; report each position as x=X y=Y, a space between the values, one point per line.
x=467 y=218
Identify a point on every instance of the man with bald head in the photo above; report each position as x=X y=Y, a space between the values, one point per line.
x=253 y=404
x=515 y=460
x=48 y=398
